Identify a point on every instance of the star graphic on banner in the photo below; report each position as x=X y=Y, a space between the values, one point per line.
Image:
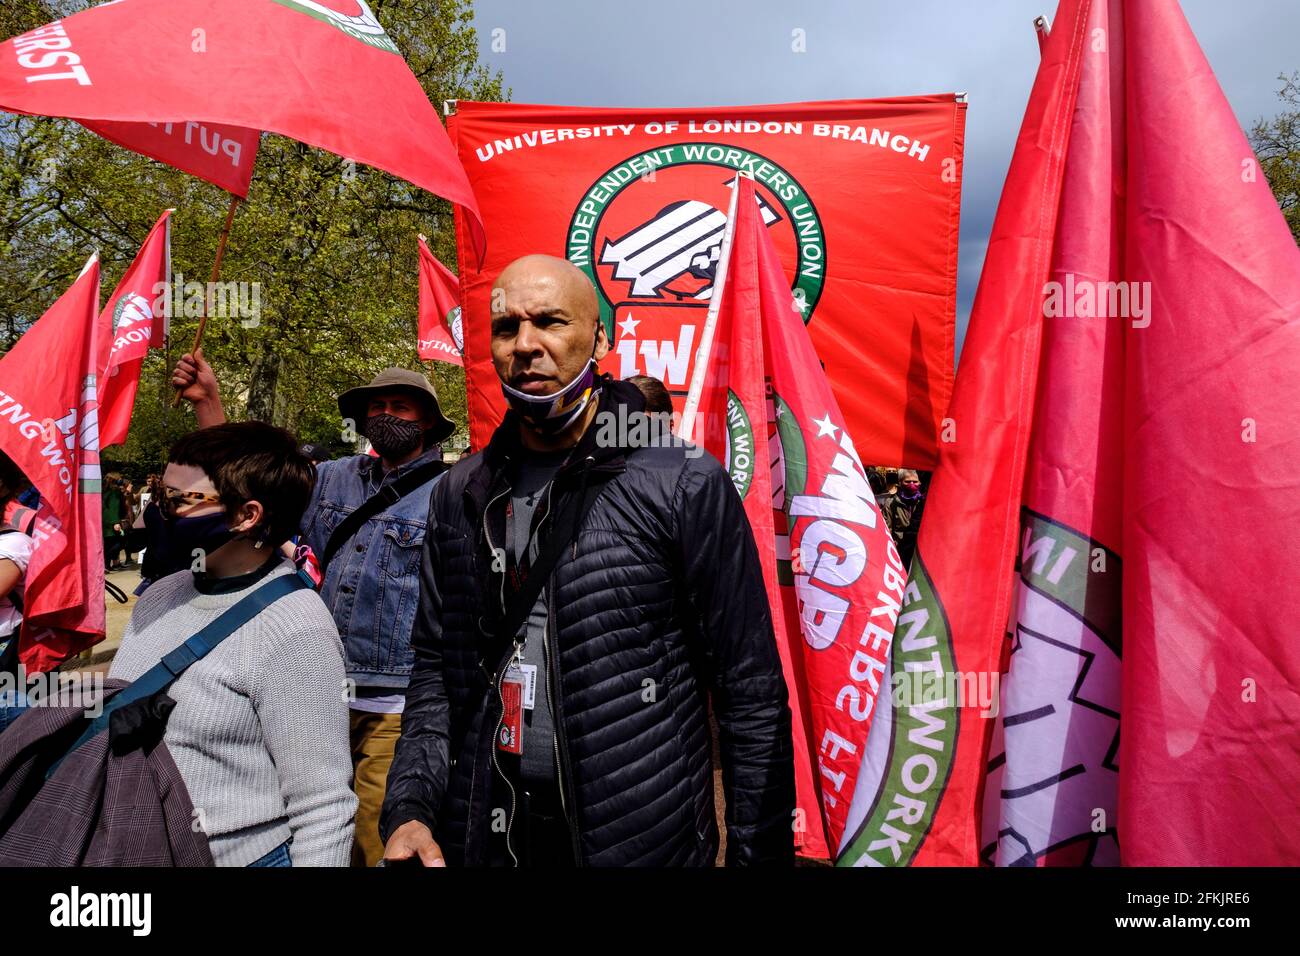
x=629 y=325
x=824 y=426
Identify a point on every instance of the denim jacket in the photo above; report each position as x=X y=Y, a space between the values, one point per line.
x=372 y=585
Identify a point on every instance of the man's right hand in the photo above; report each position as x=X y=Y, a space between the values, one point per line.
x=197 y=383
x=413 y=839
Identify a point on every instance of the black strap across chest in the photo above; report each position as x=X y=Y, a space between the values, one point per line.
x=386 y=497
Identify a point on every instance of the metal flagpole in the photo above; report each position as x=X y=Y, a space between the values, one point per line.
x=687 y=427
x=207 y=296
x=1044 y=30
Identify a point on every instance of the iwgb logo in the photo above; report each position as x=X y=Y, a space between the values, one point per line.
x=649 y=234
x=353 y=17
x=453 y=321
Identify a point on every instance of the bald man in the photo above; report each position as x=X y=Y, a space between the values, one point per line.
x=580 y=602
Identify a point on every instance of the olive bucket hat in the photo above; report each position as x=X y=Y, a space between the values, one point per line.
x=353 y=403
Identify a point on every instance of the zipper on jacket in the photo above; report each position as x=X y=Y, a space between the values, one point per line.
x=563 y=771
x=473 y=780
x=487 y=536
x=550 y=655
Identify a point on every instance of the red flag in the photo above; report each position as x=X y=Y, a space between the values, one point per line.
x=320 y=71
x=440 y=336
x=840 y=577
x=223 y=155
x=732 y=424
x=136 y=318
x=49 y=427
x=1054 y=761
x=926 y=757
x=1209 y=754
x=861 y=197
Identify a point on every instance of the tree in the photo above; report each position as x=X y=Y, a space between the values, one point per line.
x=324 y=250
x=1277 y=144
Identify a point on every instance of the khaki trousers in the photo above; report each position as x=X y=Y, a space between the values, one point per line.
x=374 y=739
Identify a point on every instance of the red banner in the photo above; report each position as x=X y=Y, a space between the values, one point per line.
x=861 y=198
x=223 y=155
x=136 y=318
x=320 y=71
x=440 y=336
x=49 y=427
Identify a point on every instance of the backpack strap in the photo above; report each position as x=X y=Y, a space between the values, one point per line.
x=386 y=497
x=161 y=675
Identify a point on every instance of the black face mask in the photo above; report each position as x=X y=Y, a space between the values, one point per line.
x=181 y=537
x=394 y=437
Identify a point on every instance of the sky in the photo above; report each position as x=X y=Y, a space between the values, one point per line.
x=736 y=52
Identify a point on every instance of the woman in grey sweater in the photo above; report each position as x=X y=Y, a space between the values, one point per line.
x=260 y=728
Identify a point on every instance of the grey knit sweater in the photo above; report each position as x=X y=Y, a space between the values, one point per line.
x=260 y=729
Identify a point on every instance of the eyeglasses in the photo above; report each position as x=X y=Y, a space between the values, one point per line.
x=174 y=500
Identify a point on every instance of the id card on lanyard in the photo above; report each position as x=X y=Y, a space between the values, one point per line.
x=518 y=693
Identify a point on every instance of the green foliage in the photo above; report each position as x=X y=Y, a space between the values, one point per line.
x=1277 y=144
x=331 y=245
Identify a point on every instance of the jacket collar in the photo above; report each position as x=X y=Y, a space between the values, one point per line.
x=372 y=468
x=505 y=448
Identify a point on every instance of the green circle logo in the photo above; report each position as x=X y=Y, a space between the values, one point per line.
x=639 y=249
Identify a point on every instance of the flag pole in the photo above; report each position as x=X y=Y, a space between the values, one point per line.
x=687 y=427
x=1044 y=30
x=207 y=295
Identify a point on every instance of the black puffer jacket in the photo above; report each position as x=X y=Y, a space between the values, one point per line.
x=660 y=589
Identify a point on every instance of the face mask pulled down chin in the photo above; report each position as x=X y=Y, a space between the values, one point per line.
x=551 y=414
x=394 y=437
x=183 y=536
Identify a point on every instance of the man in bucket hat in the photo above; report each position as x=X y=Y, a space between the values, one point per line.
x=366 y=524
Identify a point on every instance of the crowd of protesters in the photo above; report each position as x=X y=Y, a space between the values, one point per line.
x=511 y=662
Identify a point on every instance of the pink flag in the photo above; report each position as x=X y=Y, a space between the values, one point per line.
x=1150 y=450
x=1209 y=749
x=136 y=318
x=440 y=335
x=49 y=426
